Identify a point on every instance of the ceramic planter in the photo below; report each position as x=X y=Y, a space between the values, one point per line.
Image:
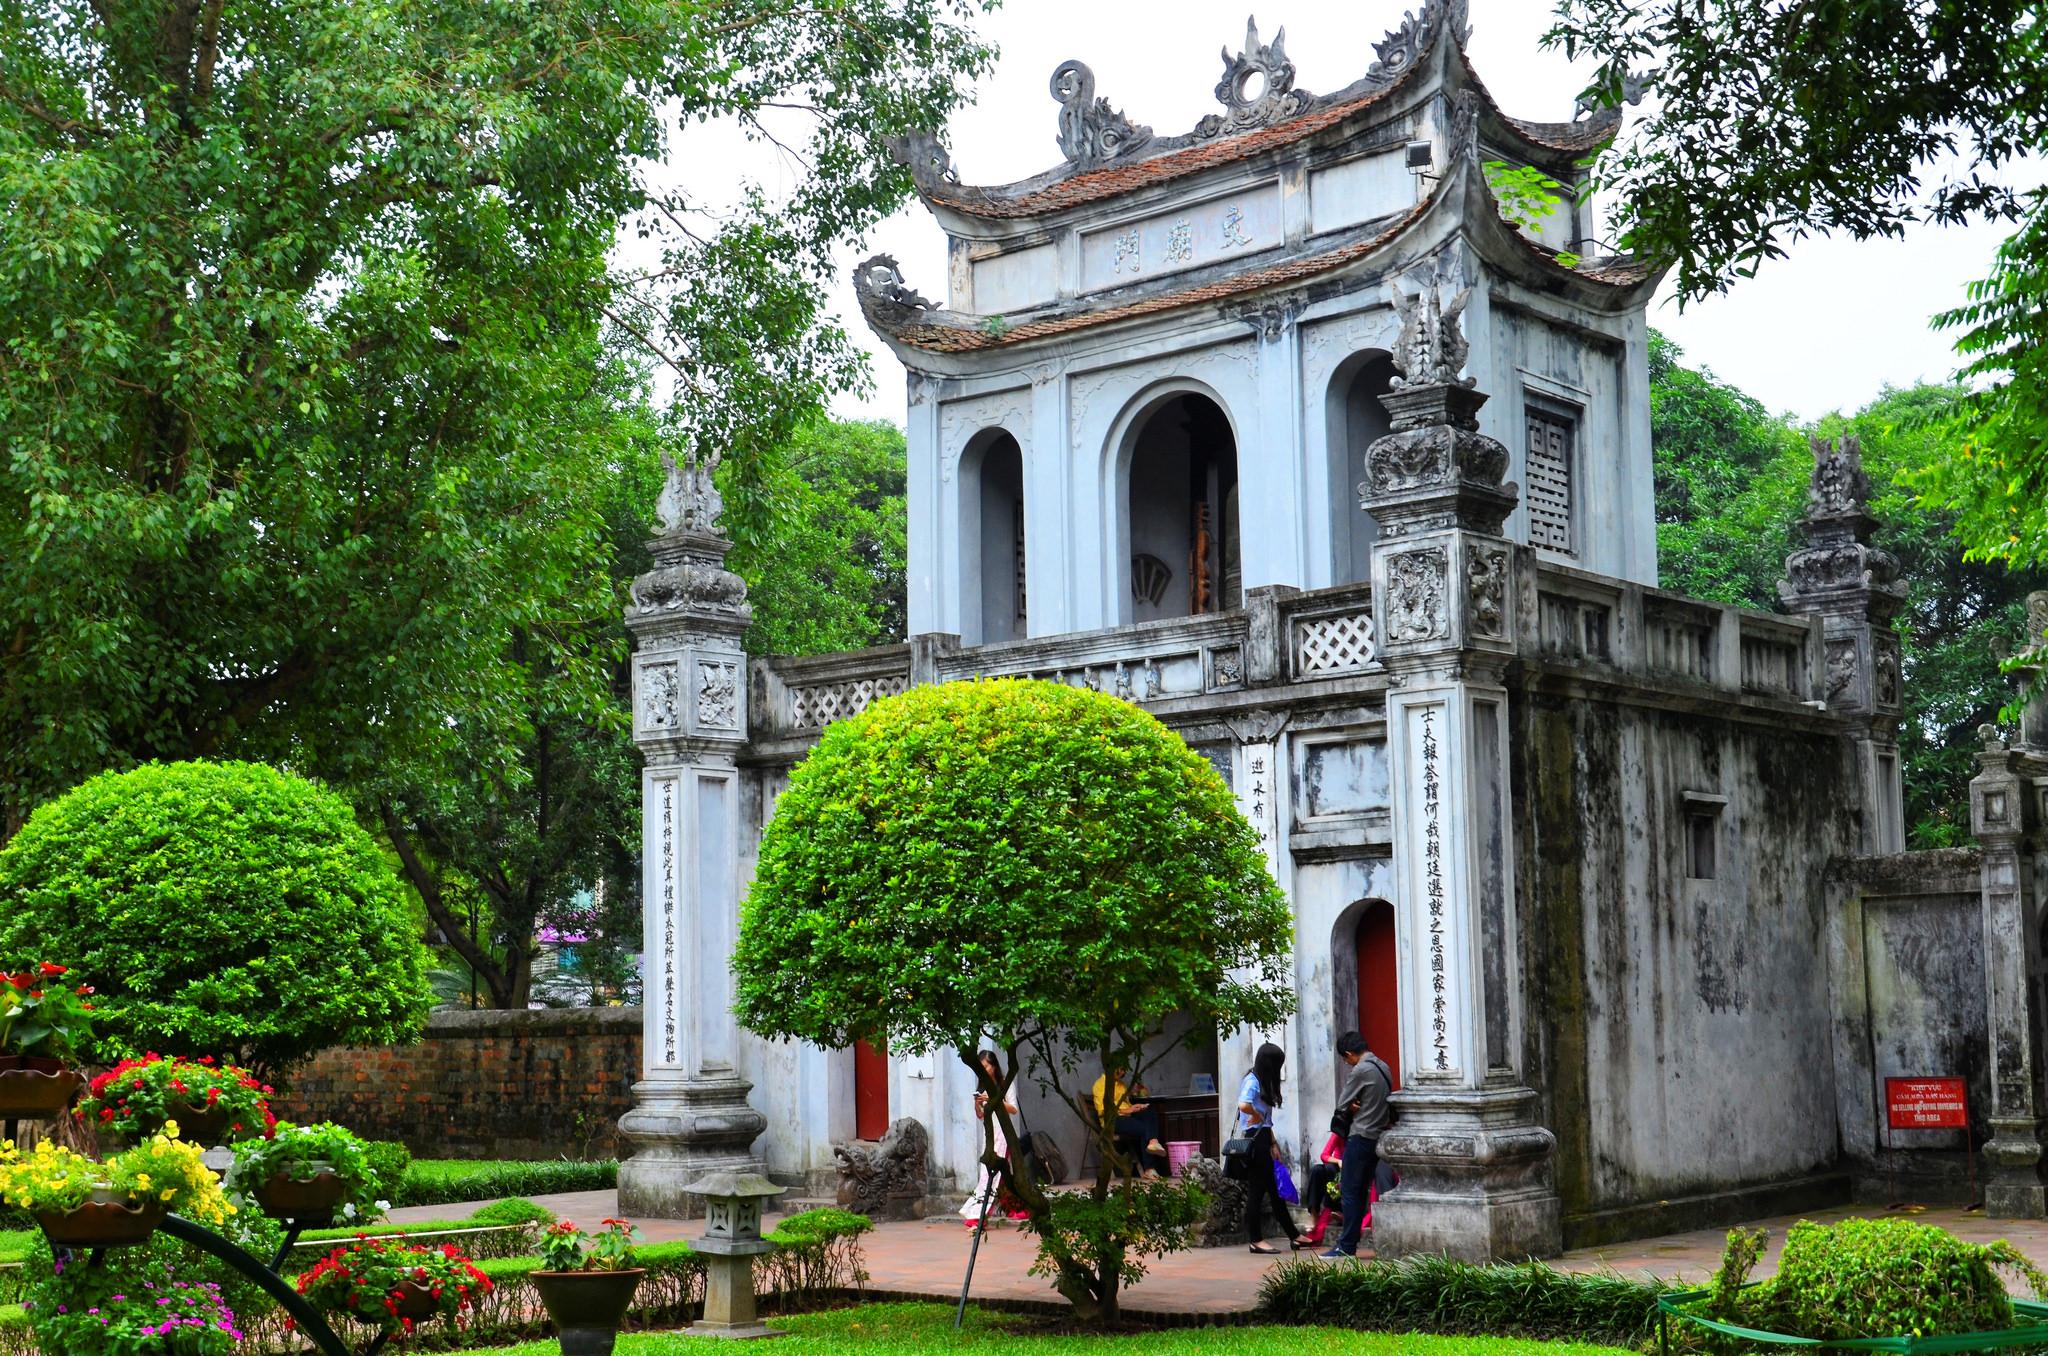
x=36 y=1089
x=587 y=1306
x=416 y=1301
x=199 y=1125
x=311 y=1201
x=108 y=1220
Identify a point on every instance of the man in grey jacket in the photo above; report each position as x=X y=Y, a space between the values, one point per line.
x=1366 y=1088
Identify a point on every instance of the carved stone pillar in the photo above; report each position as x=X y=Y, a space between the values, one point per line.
x=691 y=1117
x=1475 y=1165
x=2006 y=806
x=1851 y=586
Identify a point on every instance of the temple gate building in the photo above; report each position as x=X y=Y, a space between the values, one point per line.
x=1281 y=431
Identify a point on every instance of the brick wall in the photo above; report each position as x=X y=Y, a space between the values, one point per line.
x=547 y=1083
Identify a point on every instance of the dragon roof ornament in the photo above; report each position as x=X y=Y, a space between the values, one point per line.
x=1091 y=132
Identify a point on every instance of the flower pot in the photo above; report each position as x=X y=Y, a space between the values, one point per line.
x=108 y=1220
x=587 y=1306
x=311 y=1201
x=414 y=1301
x=36 y=1089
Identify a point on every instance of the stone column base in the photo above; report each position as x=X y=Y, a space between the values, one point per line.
x=1475 y=1178
x=684 y=1128
x=2012 y=1158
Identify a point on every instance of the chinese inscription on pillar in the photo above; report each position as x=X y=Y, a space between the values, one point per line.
x=1433 y=889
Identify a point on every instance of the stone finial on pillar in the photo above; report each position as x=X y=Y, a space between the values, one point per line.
x=2007 y=805
x=687 y=615
x=1852 y=586
x=1475 y=1164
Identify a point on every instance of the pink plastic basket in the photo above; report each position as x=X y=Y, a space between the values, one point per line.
x=1179 y=1152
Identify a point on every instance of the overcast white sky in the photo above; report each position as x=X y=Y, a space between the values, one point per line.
x=1823 y=329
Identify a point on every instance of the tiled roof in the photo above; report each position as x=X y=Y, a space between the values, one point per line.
x=1115 y=179
x=956 y=339
x=1578 y=137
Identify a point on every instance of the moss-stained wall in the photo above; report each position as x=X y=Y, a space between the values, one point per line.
x=1677 y=1028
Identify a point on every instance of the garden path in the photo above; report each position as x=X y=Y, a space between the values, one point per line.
x=926 y=1258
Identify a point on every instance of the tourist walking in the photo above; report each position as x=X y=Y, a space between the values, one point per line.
x=1365 y=1092
x=987 y=1186
x=1257 y=1098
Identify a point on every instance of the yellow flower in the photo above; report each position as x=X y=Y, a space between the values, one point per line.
x=170 y=1130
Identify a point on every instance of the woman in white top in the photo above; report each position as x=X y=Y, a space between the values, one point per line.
x=985 y=1188
x=1257 y=1097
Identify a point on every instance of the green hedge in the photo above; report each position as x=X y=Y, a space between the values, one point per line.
x=1437 y=1295
x=445 y=1181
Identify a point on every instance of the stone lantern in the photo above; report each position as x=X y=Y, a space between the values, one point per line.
x=733 y=1202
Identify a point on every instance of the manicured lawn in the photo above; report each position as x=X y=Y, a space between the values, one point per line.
x=444 y=1181
x=893 y=1329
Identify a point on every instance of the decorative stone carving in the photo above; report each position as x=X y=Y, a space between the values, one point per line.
x=717 y=693
x=1464 y=138
x=1227 y=666
x=1402 y=47
x=689 y=499
x=1091 y=132
x=1885 y=663
x=1431 y=350
x=1258 y=64
x=889 y=1178
x=1486 y=587
x=1633 y=88
x=885 y=298
x=2037 y=620
x=814 y=705
x=1416 y=587
x=694 y=582
x=661 y=707
x=930 y=164
x=1838 y=487
x=1271 y=319
x=1393 y=466
x=1841 y=666
x=1339 y=644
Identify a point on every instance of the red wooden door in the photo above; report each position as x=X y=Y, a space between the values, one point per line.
x=870 y=1091
x=1379 y=995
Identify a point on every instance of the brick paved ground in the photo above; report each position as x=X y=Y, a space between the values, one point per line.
x=929 y=1257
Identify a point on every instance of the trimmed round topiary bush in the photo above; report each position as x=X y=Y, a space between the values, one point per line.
x=222 y=908
x=1039 y=868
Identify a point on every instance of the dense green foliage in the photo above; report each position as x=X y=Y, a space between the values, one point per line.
x=317 y=363
x=1438 y=1295
x=1768 y=123
x=1038 y=867
x=445 y=1181
x=226 y=909
x=822 y=550
x=513 y=1210
x=1866 y=1278
x=1731 y=482
x=916 y=1329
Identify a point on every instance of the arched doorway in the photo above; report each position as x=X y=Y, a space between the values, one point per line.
x=992 y=539
x=1367 y=976
x=1356 y=421
x=1179 y=501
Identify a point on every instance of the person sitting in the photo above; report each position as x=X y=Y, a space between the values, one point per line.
x=1135 y=1127
x=1326 y=1173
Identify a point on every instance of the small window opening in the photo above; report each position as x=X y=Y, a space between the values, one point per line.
x=1703 y=835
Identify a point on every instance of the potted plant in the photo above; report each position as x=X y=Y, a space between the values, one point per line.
x=45 y=1023
x=587 y=1282
x=306 y=1174
x=79 y=1203
x=392 y=1284
x=213 y=1102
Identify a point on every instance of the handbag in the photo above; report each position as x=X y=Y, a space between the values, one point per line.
x=1237 y=1162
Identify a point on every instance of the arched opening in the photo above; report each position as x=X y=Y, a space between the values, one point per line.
x=992 y=598
x=1356 y=420
x=1180 y=512
x=1366 y=972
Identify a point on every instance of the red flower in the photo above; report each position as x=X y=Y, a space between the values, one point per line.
x=49 y=970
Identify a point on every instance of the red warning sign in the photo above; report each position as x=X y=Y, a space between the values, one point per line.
x=1926 y=1104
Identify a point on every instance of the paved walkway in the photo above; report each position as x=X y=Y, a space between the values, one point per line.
x=928 y=1257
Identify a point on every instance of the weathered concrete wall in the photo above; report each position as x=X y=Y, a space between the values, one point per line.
x=1906 y=944
x=1679 y=1031
x=546 y=1083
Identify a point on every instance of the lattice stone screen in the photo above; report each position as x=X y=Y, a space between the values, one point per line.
x=1340 y=644
x=1549 y=473
x=820 y=704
